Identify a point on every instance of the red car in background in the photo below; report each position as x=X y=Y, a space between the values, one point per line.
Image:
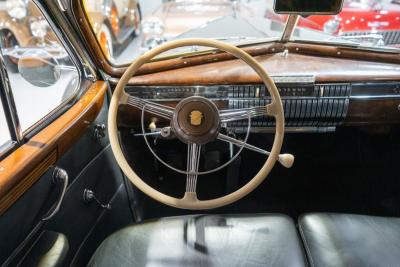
x=357 y=18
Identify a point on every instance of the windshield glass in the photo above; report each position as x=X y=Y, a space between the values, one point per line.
x=127 y=28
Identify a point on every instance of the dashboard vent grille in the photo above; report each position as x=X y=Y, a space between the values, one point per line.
x=320 y=105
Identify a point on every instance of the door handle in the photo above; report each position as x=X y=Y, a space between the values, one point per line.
x=60 y=176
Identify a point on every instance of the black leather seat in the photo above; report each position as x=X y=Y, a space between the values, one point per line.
x=205 y=240
x=350 y=240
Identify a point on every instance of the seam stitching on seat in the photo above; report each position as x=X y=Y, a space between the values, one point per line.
x=306 y=246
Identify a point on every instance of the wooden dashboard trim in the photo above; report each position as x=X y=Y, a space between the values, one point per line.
x=343 y=52
x=373 y=112
x=324 y=69
x=21 y=169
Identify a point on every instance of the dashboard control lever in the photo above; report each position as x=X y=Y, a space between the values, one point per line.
x=158 y=133
x=89 y=196
x=165 y=133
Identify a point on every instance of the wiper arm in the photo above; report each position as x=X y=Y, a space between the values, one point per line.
x=237 y=38
x=370 y=39
x=358 y=40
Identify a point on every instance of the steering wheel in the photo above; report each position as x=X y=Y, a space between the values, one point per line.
x=196 y=121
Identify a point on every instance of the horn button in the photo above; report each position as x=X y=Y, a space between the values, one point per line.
x=196 y=120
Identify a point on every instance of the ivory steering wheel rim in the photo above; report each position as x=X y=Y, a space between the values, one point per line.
x=190 y=200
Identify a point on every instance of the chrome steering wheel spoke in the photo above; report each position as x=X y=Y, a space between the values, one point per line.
x=193 y=160
x=151 y=107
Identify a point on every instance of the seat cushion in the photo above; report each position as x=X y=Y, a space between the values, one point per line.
x=350 y=240
x=204 y=240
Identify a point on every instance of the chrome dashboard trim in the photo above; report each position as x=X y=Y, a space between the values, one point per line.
x=374 y=97
x=271 y=130
x=276 y=78
x=307 y=105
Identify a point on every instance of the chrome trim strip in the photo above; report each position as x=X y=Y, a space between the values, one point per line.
x=320 y=93
x=271 y=130
x=374 y=97
x=61 y=5
x=10 y=109
x=375 y=90
x=40 y=124
x=276 y=78
x=5 y=149
x=294 y=79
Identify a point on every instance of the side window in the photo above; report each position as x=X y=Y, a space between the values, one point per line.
x=41 y=73
x=4 y=132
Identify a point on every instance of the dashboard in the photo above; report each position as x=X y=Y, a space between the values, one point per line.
x=318 y=95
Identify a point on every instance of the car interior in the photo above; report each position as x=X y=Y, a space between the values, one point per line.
x=120 y=146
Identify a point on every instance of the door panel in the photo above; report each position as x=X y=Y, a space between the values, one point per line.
x=77 y=219
x=109 y=223
x=90 y=164
x=19 y=220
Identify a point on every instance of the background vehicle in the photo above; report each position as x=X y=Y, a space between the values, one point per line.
x=378 y=19
x=21 y=25
x=173 y=18
x=115 y=23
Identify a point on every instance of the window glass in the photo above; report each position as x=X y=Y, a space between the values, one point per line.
x=4 y=132
x=41 y=74
x=127 y=28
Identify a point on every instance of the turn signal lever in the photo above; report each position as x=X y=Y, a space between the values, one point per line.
x=286 y=160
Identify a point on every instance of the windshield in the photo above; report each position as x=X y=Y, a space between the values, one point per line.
x=127 y=28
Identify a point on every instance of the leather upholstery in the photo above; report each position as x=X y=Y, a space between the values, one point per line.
x=204 y=240
x=350 y=240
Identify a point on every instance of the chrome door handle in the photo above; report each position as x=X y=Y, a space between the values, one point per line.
x=59 y=176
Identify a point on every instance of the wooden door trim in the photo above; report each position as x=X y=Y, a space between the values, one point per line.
x=22 y=168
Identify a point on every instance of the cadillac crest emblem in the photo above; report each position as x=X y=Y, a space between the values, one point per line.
x=196 y=118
